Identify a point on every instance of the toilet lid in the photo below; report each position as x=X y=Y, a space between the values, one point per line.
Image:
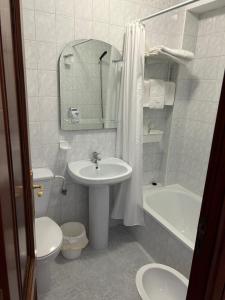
x=48 y=236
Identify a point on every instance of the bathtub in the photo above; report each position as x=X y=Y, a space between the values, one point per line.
x=175 y=208
x=171 y=218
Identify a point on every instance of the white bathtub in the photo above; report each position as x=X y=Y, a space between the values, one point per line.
x=176 y=209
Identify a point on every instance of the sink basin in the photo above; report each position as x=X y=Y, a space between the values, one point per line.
x=110 y=171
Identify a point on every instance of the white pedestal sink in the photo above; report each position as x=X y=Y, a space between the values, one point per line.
x=110 y=171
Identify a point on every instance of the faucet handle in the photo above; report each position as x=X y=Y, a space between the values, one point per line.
x=96 y=155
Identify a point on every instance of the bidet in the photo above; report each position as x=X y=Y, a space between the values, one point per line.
x=160 y=282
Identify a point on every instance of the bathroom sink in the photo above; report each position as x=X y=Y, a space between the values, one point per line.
x=109 y=171
x=99 y=175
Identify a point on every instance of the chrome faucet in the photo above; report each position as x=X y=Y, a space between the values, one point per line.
x=95 y=158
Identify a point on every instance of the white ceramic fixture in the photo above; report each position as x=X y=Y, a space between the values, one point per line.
x=160 y=282
x=176 y=209
x=110 y=171
x=47 y=233
x=48 y=244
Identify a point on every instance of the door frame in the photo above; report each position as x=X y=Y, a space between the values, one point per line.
x=207 y=277
x=207 y=274
x=19 y=57
x=28 y=291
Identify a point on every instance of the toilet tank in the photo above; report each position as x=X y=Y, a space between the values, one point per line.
x=43 y=177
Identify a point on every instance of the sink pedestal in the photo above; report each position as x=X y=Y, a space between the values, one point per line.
x=99 y=216
x=111 y=171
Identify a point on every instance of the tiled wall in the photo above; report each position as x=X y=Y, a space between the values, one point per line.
x=163 y=30
x=196 y=105
x=48 y=26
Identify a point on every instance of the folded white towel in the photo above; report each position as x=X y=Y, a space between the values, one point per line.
x=178 y=55
x=154 y=95
x=158 y=93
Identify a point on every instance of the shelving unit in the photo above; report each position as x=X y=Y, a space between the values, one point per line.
x=154 y=136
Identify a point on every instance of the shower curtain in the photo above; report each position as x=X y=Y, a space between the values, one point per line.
x=128 y=196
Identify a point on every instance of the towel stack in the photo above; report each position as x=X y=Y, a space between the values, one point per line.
x=158 y=93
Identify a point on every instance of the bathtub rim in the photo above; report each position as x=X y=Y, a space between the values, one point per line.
x=163 y=222
x=140 y=273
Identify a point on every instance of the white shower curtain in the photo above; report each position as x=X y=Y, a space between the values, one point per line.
x=128 y=196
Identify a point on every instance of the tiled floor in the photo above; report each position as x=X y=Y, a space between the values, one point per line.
x=99 y=275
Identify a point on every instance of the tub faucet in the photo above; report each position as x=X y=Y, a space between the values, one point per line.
x=95 y=158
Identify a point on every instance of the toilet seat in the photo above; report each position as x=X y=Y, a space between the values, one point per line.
x=48 y=237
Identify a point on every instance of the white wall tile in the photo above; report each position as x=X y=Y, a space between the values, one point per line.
x=47 y=83
x=28 y=24
x=28 y=4
x=45 y=27
x=206 y=68
x=84 y=9
x=205 y=90
x=35 y=134
x=117 y=12
x=49 y=132
x=117 y=36
x=33 y=109
x=192 y=24
x=31 y=54
x=32 y=83
x=131 y=11
x=49 y=109
x=37 y=156
x=189 y=43
x=64 y=29
x=216 y=45
x=101 y=10
x=83 y=29
x=45 y=6
x=101 y=31
x=202 y=46
x=207 y=25
x=64 y=8
x=46 y=57
x=220 y=22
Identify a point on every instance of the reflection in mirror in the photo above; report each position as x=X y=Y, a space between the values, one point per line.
x=90 y=74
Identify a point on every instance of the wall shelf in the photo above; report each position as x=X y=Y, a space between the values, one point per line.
x=159 y=58
x=155 y=136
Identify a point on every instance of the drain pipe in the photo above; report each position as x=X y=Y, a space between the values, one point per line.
x=63 y=189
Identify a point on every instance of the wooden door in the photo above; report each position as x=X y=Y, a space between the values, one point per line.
x=207 y=279
x=16 y=201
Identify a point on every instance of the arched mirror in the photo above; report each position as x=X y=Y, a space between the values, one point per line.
x=90 y=75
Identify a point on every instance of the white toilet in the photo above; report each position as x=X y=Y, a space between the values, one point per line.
x=48 y=234
x=160 y=282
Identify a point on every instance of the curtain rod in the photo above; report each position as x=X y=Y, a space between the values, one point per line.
x=167 y=10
